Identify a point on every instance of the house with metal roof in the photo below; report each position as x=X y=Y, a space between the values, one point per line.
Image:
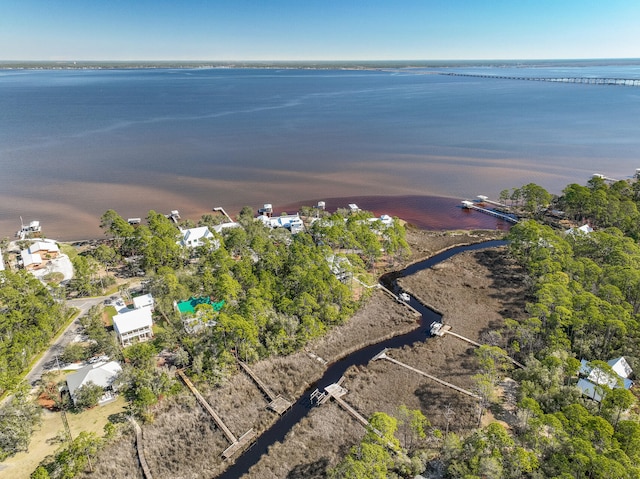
x=291 y=222
x=101 y=374
x=134 y=325
x=194 y=237
x=593 y=378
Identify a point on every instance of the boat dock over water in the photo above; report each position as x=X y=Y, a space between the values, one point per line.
x=503 y=216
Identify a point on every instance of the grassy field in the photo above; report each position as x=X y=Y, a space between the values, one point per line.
x=44 y=440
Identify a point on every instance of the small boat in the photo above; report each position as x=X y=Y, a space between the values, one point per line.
x=404 y=297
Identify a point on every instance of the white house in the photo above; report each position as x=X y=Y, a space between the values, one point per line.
x=100 y=374
x=194 y=237
x=38 y=253
x=134 y=325
x=621 y=367
x=584 y=229
x=47 y=247
x=30 y=260
x=144 y=301
x=291 y=222
x=340 y=267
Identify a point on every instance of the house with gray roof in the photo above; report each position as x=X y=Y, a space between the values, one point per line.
x=101 y=374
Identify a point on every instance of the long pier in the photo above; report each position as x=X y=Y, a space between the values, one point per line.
x=470 y=341
x=579 y=80
x=236 y=444
x=383 y=355
x=486 y=199
x=469 y=205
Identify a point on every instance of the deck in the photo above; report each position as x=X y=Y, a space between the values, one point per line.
x=278 y=403
x=236 y=444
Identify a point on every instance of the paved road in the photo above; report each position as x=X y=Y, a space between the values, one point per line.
x=48 y=359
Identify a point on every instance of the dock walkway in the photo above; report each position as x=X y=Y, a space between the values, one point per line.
x=336 y=392
x=146 y=470
x=236 y=444
x=383 y=355
x=469 y=205
x=277 y=403
x=448 y=331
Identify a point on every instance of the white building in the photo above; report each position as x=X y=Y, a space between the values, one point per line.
x=100 y=374
x=194 y=237
x=584 y=229
x=134 y=325
x=144 y=301
x=38 y=253
x=1 y=261
x=291 y=222
x=223 y=226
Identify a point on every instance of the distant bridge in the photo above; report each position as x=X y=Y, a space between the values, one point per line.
x=582 y=80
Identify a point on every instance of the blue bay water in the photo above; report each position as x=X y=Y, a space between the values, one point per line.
x=74 y=143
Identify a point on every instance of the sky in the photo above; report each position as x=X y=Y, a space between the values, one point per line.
x=64 y=30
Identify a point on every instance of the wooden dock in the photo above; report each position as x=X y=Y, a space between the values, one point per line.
x=220 y=209
x=448 y=331
x=471 y=206
x=399 y=300
x=383 y=355
x=146 y=471
x=236 y=444
x=277 y=403
x=336 y=392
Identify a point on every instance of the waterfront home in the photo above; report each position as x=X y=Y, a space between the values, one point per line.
x=134 y=325
x=101 y=374
x=194 y=237
x=291 y=222
x=37 y=254
x=340 y=267
x=584 y=230
x=223 y=226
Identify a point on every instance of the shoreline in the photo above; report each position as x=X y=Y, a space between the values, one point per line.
x=426 y=212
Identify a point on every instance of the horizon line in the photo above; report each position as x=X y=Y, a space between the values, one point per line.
x=318 y=60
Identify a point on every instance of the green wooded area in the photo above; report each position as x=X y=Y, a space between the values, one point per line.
x=584 y=301
x=29 y=318
x=278 y=291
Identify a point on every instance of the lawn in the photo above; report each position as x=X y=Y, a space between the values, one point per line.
x=44 y=443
